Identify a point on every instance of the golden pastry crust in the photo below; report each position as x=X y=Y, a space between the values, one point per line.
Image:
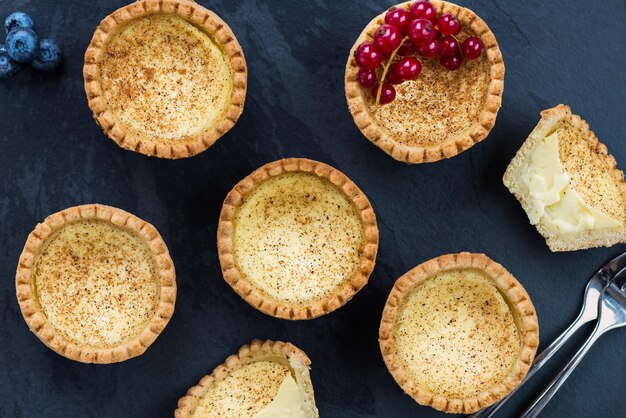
x=258 y=350
x=38 y=322
x=214 y=28
x=259 y=298
x=464 y=136
x=518 y=301
x=582 y=173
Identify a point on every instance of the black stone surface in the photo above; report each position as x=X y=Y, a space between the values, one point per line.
x=52 y=156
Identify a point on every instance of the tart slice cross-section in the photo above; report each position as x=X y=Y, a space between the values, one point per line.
x=297 y=239
x=96 y=284
x=266 y=379
x=165 y=78
x=458 y=332
x=568 y=184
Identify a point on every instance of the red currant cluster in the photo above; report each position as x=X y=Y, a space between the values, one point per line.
x=406 y=33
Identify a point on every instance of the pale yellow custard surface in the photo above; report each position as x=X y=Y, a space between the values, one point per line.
x=164 y=78
x=297 y=237
x=96 y=283
x=456 y=334
x=590 y=174
x=288 y=402
x=245 y=392
x=438 y=106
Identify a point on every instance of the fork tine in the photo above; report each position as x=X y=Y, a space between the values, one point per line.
x=620 y=278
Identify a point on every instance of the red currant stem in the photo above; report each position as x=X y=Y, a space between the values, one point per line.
x=456 y=39
x=386 y=68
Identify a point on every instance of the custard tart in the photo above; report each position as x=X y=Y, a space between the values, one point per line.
x=444 y=110
x=297 y=239
x=568 y=184
x=165 y=78
x=96 y=284
x=458 y=332
x=266 y=379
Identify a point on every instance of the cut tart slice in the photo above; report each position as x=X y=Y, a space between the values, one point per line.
x=458 y=332
x=96 y=284
x=266 y=379
x=443 y=110
x=165 y=78
x=297 y=239
x=568 y=184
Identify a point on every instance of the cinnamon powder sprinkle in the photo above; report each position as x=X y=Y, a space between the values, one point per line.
x=97 y=283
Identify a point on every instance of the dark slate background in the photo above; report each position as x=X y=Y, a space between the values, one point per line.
x=53 y=156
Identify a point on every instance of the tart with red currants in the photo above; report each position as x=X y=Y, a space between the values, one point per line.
x=424 y=80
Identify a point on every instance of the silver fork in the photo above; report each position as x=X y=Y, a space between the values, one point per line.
x=611 y=315
x=588 y=313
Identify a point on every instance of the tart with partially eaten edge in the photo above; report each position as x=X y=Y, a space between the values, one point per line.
x=96 y=284
x=266 y=379
x=568 y=184
x=165 y=78
x=458 y=332
x=445 y=110
x=297 y=239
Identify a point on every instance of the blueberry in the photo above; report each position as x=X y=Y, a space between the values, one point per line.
x=22 y=44
x=18 y=20
x=49 y=56
x=8 y=67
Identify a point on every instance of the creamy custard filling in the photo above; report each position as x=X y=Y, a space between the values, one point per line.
x=438 y=106
x=263 y=389
x=553 y=200
x=297 y=237
x=96 y=283
x=165 y=78
x=456 y=334
x=288 y=402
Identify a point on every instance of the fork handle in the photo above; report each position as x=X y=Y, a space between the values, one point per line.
x=540 y=361
x=537 y=406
